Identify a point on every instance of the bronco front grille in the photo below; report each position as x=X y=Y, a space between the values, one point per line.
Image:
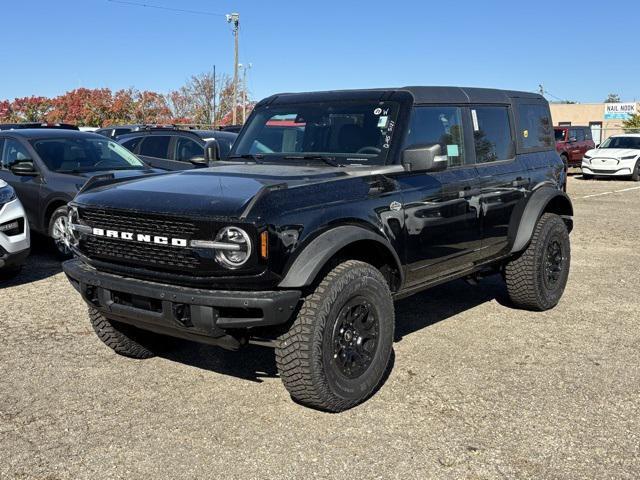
x=176 y=259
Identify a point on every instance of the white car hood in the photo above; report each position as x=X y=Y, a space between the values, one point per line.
x=613 y=152
x=3 y=183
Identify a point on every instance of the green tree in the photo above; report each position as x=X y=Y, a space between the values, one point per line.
x=612 y=98
x=632 y=124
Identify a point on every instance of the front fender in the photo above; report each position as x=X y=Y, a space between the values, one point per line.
x=319 y=251
x=526 y=215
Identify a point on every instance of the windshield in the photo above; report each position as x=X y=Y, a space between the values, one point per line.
x=621 y=142
x=560 y=134
x=340 y=132
x=76 y=155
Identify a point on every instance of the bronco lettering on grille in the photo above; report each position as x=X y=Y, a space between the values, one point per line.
x=156 y=239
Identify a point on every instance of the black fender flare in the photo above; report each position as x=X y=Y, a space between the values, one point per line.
x=524 y=220
x=319 y=251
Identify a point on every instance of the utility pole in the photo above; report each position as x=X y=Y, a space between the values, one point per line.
x=541 y=87
x=244 y=90
x=234 y=19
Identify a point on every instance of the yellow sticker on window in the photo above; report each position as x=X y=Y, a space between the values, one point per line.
x=525 y=133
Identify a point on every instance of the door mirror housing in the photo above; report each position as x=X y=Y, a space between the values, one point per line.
x=424 y=158
x=212 y=151
x=24 y=168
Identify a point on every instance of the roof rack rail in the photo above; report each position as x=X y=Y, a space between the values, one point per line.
x=18 y=126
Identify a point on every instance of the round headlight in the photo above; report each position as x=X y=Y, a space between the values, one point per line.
x=7 y=194
x=237 y=247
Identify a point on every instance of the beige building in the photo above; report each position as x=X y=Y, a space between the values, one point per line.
x=605 y=119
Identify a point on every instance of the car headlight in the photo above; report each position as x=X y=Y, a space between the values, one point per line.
x=233 y=247
x=7 y=194
x=629 y=157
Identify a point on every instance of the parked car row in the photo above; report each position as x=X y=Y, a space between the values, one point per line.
x=618 y=156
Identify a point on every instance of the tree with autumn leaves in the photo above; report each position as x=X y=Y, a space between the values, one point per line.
x=199 y=101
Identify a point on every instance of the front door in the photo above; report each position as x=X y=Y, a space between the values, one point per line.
x=442 y=228
x=27 y=187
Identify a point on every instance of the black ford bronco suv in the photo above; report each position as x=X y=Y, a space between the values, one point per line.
x=330 y=206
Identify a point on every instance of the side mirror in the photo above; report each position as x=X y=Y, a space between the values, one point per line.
x=598 y=146
x=24 y=168
x=212 y=151
x=199 y=161
x=424 y=158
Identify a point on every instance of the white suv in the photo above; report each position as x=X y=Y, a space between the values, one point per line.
x=617 y=156
x=14 y=232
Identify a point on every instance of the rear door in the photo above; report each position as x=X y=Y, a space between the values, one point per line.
x=504 y=180
x=575 y=148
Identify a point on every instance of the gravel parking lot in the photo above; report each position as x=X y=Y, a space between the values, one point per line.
x=478 y=390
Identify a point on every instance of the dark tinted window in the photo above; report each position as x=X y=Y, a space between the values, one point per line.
x=580 y=135
x=155 y=146
x=587 y=134
x=13 y=152
x=121 y=131
x=560 y=134
x=438 y=125
x=186 y=149
x=492 y=134
x=224 y=144
x=132 y=143
x=534 y=124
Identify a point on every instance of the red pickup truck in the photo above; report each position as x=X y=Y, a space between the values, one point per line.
x=572 y=143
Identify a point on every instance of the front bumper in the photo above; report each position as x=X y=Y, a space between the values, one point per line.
x=196 y=314
x=19 y=243
x=609 y=167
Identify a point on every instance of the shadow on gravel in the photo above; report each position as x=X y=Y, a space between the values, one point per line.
x=256 y=362
x=41 y=263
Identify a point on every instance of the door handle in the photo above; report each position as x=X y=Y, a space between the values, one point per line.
x=520 y=182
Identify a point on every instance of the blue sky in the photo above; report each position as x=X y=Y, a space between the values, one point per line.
x=579 y=50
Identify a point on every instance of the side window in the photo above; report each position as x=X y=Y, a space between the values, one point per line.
x=573 y=134
x=492 y=134
x=587 y=134
x=155 y=146
x=13 y=152
x=186 y=149
x=535 y=129
x=132 y=143
x=438 y=125
x=580 y=135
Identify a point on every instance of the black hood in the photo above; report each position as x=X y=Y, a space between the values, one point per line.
x=222 y=191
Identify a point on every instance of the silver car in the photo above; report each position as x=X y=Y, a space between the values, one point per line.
x=14 y=232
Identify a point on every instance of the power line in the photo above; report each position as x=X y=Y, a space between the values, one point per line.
x=159 y=7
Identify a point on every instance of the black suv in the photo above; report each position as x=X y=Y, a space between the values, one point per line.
x=330 y=206
x=178 y=149
x=48 y=166
x=115 y=131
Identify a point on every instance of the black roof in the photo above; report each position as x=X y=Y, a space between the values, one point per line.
x=30 y=133
x=419 y=94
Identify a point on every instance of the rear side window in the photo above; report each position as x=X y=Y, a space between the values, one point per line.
x=186 y=149
x=438 y=125
x=492 y=134
x=120 y=131
x=587 y=134
x=132 y=143
x=535 y=129
x=580 y=135
x=155 y=146
x=13 y=152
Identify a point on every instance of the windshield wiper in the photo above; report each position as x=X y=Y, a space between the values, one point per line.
x=256 y=157
x=329 y=160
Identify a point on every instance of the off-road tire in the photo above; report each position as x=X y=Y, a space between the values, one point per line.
x=635 y=176
x=304 y=354
x=527 y=278
x=124 y=339
x=59 y=213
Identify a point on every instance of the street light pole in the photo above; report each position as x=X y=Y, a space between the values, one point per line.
x=244 y=90
x=234 y=19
